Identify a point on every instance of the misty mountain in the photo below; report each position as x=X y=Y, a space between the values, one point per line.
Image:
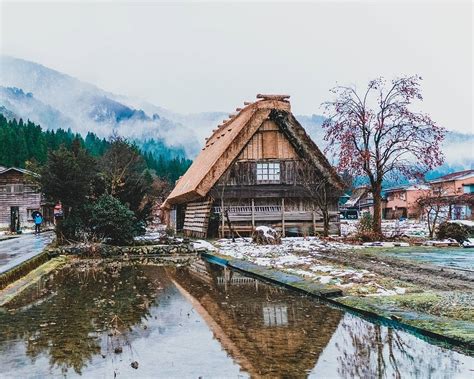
x=56 y=100
x=201 y=123
x=458 y=147
x=53 y=99
x=8 y=114
x=16 y=102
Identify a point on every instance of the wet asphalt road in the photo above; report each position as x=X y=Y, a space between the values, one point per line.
x=17 y=250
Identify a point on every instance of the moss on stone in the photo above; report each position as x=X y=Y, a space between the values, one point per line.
x=421 y=310
x=16 y=288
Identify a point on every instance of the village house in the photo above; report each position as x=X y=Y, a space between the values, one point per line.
x=259 y=167
x=402 y=201
x=456 y=191
x=19 y=199
x=360 y=201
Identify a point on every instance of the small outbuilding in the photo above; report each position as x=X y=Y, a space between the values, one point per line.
x=19 y=199
x=259 y=167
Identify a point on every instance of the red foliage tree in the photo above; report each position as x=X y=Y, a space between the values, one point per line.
x=376 y=133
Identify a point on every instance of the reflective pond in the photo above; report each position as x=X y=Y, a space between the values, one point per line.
x=203 y=321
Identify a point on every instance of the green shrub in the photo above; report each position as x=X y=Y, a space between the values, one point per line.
x=365 y=223
x=72 y=228
x=453 y=230
x=364 y=228
x=112 y=220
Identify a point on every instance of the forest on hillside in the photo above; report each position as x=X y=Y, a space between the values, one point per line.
x=26 y=141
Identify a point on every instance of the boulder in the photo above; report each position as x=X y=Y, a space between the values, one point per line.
x=265 y=235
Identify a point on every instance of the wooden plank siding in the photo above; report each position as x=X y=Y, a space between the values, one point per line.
x=196 y=218
x=245 y=173
x=268 y=143
x=16 y=192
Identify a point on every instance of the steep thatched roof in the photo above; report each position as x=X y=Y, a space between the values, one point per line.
x=356 y=196
x=228 y=140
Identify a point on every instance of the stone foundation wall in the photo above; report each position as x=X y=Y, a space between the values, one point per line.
x=107 y=251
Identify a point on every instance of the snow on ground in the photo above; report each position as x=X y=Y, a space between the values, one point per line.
x=463 y=222
x=150 y=236
x=243 y=247
x=267 y=232
x=304 y=257
x=390 y=228
x=202 y=245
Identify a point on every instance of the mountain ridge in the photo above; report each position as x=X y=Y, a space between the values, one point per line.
x=55 y=99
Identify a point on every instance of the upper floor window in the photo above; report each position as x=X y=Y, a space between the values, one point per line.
x=268 y=172
x=468 y=188
x=12 y=188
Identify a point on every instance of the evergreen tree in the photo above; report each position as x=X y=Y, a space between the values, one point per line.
x=67 y=176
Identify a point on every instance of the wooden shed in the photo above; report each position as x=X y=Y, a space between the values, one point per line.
x=254 y=170
x=19 y=198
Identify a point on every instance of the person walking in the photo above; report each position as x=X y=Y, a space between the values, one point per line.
x=38 y=220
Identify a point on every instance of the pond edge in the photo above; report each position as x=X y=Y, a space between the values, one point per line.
x=268 y=275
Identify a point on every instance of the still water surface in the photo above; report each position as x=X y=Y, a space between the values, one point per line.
x=203 y=321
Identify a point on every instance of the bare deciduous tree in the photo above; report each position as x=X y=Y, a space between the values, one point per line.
x=319 y=190
x=376 y=133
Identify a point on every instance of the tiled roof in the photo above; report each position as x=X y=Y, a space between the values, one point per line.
x=3 y=170
x=408 y=187
x=453 y=176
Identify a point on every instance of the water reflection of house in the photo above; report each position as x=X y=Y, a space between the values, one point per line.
x=256 y=167
x=19 y=198
x=270 y=331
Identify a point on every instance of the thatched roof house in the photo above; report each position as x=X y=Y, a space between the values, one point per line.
x=248 y=168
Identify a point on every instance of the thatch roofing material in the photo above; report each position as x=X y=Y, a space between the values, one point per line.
x=222 y=147
x=356 y=195
x=227 y=141
x=305 y=146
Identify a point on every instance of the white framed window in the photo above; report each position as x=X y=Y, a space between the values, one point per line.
x=268 y=172
x=275 y=315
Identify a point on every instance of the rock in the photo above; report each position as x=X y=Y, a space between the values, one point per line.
x=134 y=364
x=118 y=350
x=266 y=236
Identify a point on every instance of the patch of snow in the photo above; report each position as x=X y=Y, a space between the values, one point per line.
x=325 y=279
x=462 y=222
x=267 y=232
x=445 y=242
x=469 y=242
x=400 y=290
x=386 y=244
x=202 y=245
x=390 y=228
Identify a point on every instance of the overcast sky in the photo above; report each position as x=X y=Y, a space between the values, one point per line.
x=194 y=57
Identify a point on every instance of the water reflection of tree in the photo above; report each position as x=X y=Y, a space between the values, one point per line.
x=372 y=351
x=68 y=326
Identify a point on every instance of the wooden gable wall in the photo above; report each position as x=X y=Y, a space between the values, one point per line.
x=268 y=143
x=15 y=191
